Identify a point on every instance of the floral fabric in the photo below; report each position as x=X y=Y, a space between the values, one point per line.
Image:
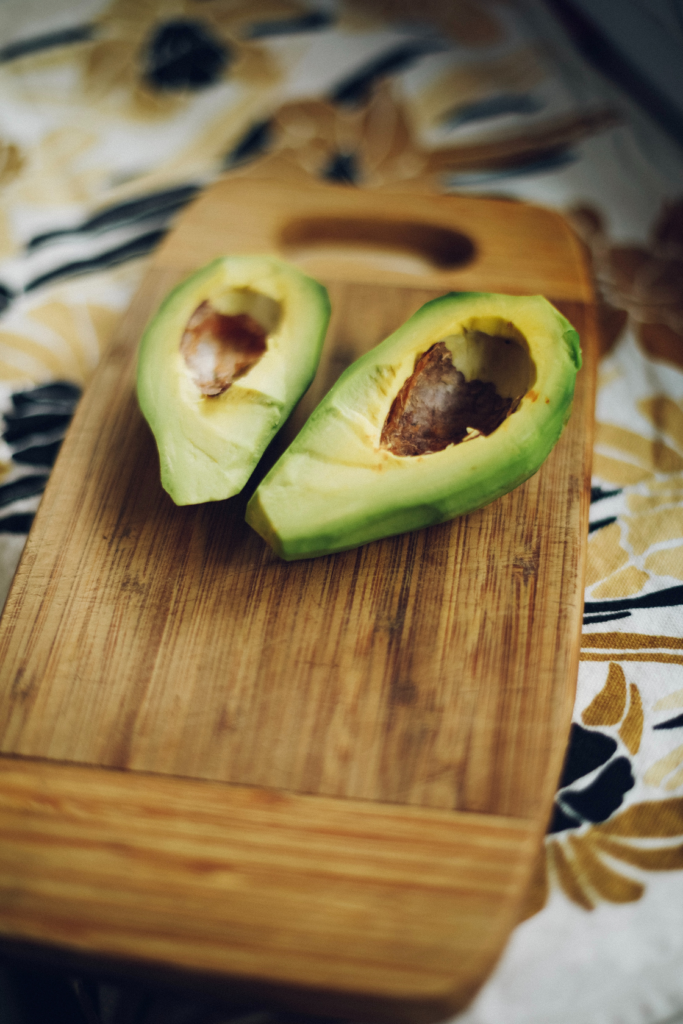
x=116 y=113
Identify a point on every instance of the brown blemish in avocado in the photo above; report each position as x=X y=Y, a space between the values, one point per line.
x=437 y=407
x=218 y=349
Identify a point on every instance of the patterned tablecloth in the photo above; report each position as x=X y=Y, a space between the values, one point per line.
x=115 y=113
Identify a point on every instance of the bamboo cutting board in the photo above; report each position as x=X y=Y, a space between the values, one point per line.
x=327 y=780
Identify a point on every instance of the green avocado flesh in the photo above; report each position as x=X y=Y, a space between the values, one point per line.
x=222 y=364
x=457 y=407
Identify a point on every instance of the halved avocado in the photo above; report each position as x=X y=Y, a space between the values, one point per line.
x=460 y=405
x=221 y=365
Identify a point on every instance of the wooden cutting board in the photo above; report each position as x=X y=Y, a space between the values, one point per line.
x=326 y=781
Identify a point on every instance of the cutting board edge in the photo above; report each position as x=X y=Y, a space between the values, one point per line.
x=59 y=817
x=439 y=208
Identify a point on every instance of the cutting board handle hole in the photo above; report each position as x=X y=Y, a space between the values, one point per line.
x=438 y=247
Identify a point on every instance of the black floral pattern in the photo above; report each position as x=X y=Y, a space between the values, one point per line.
x=184 y=54
x=590 y=749
x=34 y=430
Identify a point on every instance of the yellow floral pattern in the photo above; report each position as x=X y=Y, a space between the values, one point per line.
x=129 y=122
x=107 y=130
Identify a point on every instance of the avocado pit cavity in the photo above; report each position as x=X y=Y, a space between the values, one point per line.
x=219 y=345
x=437 y=406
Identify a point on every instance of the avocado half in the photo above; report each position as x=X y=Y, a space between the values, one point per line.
x=221 y=365
x=457 y=407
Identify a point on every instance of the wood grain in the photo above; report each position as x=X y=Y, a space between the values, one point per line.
x=363 y=907
x=433 y=671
